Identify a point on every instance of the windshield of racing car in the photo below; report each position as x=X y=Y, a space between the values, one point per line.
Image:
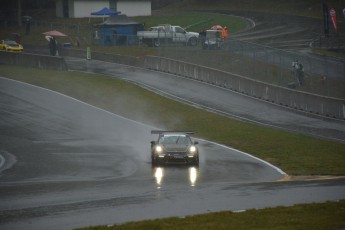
x=11 y=43
x=175 y=139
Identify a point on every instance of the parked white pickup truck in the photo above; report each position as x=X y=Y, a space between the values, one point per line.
x=167 y=33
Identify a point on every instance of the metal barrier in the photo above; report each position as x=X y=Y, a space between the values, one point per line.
x=310 y=103
x=33 y=60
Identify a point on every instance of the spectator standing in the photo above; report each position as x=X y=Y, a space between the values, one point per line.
x=225 y=33
x=52 y=46
x=298 y=71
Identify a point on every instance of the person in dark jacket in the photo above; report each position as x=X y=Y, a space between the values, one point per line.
x=52 y=46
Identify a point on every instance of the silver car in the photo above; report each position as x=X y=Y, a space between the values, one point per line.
x=174 y=147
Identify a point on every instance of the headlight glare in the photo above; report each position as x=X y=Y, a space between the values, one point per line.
x=192 y=149
x=159 y=149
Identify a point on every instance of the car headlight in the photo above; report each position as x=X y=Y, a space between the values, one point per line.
x=159 y=149
x=192 y=149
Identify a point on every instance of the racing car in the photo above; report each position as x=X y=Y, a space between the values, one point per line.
x=9 y=45
x=174 y=147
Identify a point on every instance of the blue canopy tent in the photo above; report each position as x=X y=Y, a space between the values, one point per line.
x=105 y=11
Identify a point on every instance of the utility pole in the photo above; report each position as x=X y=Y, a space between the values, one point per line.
x=19 y=12
x=325 y=18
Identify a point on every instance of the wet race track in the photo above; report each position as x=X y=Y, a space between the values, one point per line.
x=66 y=164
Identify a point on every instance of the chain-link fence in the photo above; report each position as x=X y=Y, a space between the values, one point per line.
x=322 y=75
x=321 y=66
x=83 y=33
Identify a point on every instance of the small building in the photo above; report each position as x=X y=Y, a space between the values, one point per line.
x=83 y=8
x=118 y=30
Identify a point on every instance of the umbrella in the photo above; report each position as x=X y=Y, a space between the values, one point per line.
x=55 y=33
x=216 y=27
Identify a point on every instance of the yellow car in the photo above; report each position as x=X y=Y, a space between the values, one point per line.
x=9 y=45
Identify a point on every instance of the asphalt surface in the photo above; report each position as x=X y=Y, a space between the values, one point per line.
x=65 y=158
x=286 y=38
x=286 y=32
x=66 y=164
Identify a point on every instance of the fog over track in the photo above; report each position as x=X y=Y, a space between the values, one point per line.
x=218 y=99
x=68 y=164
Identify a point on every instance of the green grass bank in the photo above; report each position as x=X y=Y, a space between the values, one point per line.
x=329 y=215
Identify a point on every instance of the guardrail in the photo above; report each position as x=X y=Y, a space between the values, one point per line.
x=301 y=101
x=290 y=98
x=33 y=60
x=311 y=103
x=120 y=59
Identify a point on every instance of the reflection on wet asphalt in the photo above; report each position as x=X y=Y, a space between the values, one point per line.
x=66 y=164
x=164 y=175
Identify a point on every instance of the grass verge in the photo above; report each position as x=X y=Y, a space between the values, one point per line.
x=296 y=154
x=329 y=215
